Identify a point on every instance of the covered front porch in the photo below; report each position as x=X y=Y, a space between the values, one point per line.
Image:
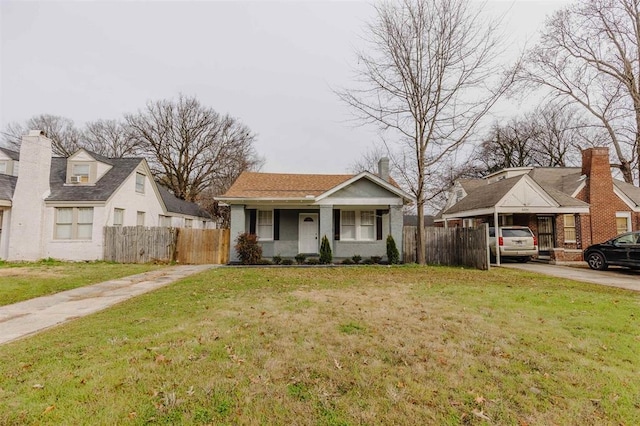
x=287 y=230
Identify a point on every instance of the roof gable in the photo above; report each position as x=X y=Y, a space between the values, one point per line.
x=526 y=193
x=9 y=154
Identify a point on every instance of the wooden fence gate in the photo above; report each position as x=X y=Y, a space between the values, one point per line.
x=448 y=246
x=138 y=244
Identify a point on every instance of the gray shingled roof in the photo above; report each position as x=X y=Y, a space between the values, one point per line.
x=101 y=191
x=631 y=191
x=7 y=186
x=11 y=154
x=484 y=196
x=563 y=179
x=176 y=205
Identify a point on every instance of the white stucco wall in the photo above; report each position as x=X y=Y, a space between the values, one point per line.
x=4 y=233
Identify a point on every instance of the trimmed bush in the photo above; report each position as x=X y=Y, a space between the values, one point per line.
x=248 y=249
x=376 y=259
x=356 y=258
x=277 y=259
x=300 y=258
x=348 y=261
x=326 y=256
x=313 y=261
x=393 y=256
x=287 y=262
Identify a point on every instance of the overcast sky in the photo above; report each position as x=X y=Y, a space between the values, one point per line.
x=272 y=65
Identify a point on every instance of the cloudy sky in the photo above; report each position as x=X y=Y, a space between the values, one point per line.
x=272 y=65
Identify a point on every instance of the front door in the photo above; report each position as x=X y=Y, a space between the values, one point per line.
x=308 y=233
x=546 y=236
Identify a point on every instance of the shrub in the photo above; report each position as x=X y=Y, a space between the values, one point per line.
x=313 y=261
x=393 y=255
x=300 y=258
x=348 y=261
x=287 y=262
x=326 y=256
x=248 y=249
x=264 y=261
x=367 y=262
x=376 y=259
x=277 y=259
x=356 y=258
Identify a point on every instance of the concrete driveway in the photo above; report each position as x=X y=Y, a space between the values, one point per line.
x=32 y=316
x=613 y=277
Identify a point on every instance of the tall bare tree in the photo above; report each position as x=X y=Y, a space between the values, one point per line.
x=65 y=136
x=427 y=77
x=191 y=147
x=589 y=56
x=109 y=138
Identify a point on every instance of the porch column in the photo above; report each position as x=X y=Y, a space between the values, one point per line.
x=396 y=225
x=238 y=226
x=326 y=226
x=496 y=225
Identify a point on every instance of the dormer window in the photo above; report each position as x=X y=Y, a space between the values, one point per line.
x=80 y=173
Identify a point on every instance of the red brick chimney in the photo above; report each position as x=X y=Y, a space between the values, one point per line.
x=599 y=193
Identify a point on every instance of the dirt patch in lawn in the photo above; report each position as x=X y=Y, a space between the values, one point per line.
x=31 y=272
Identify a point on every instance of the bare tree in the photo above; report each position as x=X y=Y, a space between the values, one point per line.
x=65 y=137
x=427 y=79
x=589 y=56
x=191 y=147
x=109 y=138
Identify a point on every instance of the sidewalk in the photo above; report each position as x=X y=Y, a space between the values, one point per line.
x=32 y=316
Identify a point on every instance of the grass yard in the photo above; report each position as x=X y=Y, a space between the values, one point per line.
x=26 y=280
x=338 y=346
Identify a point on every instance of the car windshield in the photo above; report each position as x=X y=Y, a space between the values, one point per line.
x=627 y=239
x=516 y=233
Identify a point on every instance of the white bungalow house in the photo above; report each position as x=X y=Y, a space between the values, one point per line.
x=57 y=207
x=291 y=213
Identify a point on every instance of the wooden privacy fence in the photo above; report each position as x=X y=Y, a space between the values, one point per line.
x=448 y=246
x=138 y=244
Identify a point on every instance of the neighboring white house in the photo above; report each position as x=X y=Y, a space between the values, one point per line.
x=57 y=207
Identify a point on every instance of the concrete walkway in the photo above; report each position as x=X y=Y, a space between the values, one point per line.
x=614 y=277
x=32 y=316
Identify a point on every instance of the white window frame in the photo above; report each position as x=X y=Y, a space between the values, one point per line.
x=468 y=223
x=85 y=177
x=358 y=224
x=4 y=166
x=164 y=221
x=75 y=224
x=140 y=215
x=565 y=227
x=140 y=178
x=264 y=225
x=118 y=214
x=188 y=223
x=627 y=216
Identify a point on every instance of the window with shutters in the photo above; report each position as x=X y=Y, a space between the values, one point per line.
x=264 y=224
x=358 y=225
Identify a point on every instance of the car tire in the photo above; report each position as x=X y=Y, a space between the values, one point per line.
x=597 y=261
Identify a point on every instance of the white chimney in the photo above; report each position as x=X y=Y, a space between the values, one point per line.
x=383 y=168
x=26 y=238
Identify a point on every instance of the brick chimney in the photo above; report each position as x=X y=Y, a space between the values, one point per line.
x=27 y=230
x=383 y=168
x=599 y=193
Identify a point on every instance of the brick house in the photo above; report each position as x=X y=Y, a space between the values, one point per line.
x=568 y=208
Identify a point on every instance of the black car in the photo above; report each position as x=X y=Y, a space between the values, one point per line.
x=623 y=250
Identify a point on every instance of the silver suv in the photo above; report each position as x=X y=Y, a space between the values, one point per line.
x=516 y=242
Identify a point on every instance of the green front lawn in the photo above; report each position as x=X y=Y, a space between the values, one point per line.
x=338 y=346
x=26 y=280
